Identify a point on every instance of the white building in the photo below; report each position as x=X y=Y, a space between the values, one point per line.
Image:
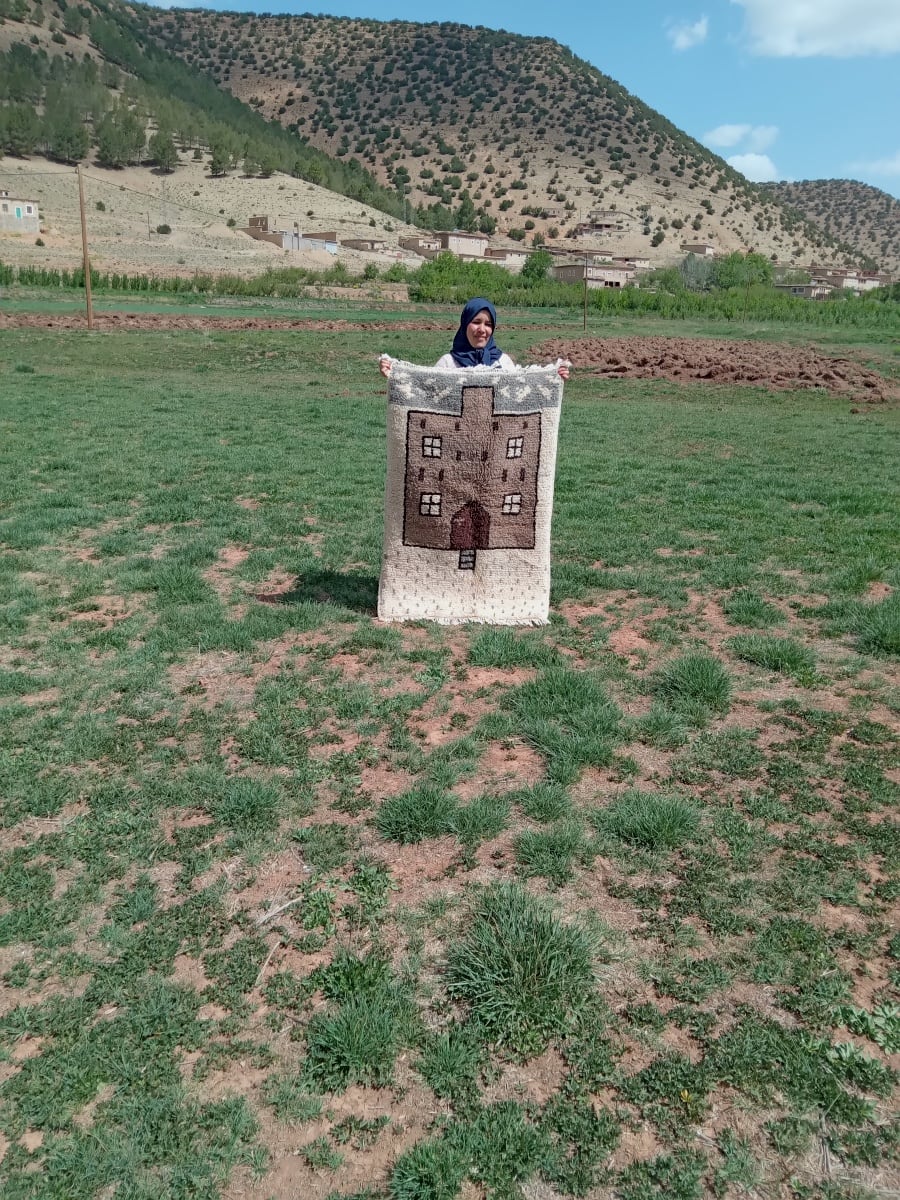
x=18 y=216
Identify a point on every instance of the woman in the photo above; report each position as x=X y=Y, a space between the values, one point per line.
x=474 y=345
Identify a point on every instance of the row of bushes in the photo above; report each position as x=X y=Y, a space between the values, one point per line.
x=442 y=282
x=287 y=283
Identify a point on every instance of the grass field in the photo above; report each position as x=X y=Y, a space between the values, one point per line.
x=293 y=904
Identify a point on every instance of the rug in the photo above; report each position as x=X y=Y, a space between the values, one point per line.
x=471 y=460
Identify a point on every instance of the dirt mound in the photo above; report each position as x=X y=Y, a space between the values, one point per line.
x=770 y=365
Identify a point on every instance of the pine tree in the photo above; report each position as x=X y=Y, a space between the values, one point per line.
x=162 y=150
x=67 y=137
x=20 y=129
x=465 y=215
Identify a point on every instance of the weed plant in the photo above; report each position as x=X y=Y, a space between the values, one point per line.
x=552 y=852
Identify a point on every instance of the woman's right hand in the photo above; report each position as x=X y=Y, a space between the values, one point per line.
x=384 y=365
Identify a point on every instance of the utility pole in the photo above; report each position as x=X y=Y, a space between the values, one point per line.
x=84 y=252
x=585 y=289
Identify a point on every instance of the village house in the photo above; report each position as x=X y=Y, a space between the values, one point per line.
x=18 y=216
x=466 y=246
x=869 y=280
x=321 y=241
x=426 y=245
x=637 y=264
x=701 y=249
x=605 y=221
x=371 y=244
x=850 y=279
x=808 y=291
x=471 y=478
x=513 y=260
x=597 y=275
x=262 y=229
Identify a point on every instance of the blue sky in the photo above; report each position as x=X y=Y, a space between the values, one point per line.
x=784 y=89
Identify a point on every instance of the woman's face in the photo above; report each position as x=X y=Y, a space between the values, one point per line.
x=479 y=330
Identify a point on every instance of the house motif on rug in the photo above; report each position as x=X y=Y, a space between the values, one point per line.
x=471 y=478
x=468 y=497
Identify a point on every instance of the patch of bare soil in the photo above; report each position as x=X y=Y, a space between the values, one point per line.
x=760 y=364
x=116 y=321
x=289 y=1175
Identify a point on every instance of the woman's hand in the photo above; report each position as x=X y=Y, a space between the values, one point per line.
x=384 y=365
x=563 y=370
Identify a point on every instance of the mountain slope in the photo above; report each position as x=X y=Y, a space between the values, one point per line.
x=854 y=212
x=475 y=127
x=74 y=78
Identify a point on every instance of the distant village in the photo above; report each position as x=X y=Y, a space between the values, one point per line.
x=592 y=267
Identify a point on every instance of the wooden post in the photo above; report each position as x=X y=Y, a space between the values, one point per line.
x=585 y=291
x=85 y=255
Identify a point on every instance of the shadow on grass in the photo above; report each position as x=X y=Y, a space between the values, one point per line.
x=355 y=590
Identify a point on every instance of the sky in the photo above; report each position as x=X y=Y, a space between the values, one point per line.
x=782 y=89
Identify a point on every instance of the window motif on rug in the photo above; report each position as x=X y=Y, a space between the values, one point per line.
x=431 y=447
x=430 y=504
x=512 y=504
x=467 y=560
x=514 y=447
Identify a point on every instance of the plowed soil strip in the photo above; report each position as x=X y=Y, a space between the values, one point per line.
x=771 y=365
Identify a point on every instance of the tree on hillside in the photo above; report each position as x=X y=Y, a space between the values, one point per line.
x=162 y=150
x=120 y=137
x=465 y=215
x=20 y=129
x=219 y=156
x=267 y=161
x=65 y=134
x=73 y=22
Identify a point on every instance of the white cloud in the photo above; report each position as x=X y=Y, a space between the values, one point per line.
x=755 y=138
x=758 y=167
x=761 y=137
x=726 y=135
x=880 y=166
x=685 y=36
x=822 y=28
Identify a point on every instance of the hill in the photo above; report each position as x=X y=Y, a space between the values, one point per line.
x=86 y=81
x=205 y=214
x=853 y=212
x=475 y=127
x=444 y=126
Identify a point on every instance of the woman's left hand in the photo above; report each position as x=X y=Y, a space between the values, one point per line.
x=563 y=370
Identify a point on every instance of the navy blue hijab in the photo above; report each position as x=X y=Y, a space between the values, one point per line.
x=463 y=353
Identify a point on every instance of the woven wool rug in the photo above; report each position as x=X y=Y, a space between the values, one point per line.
x=469 y=494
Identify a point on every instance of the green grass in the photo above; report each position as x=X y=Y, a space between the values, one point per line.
x=648 y=820
x=519 y=969
x=786 y=655
x=695 y=686
x=222 y=900
x=569 y=718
